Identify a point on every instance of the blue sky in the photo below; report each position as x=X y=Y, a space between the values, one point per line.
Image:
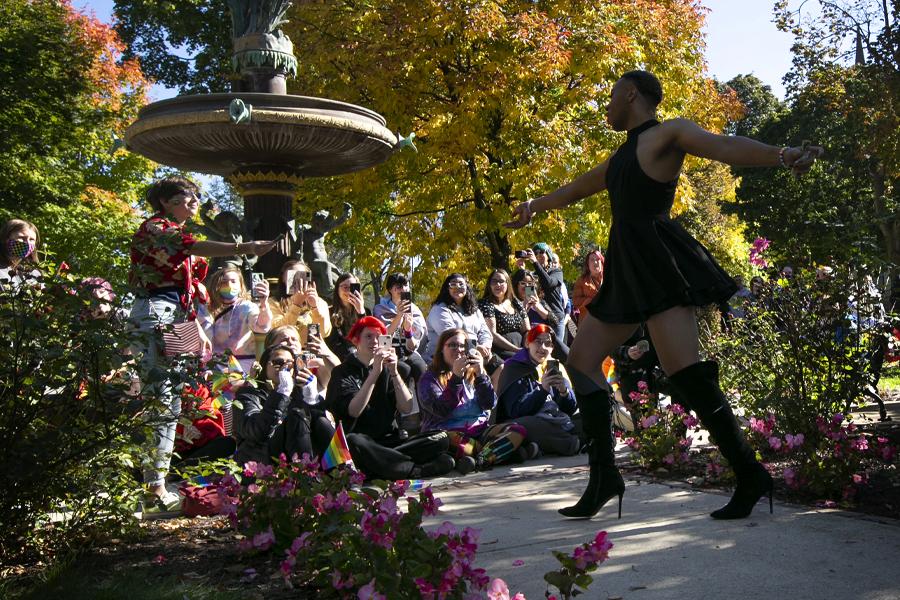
x=741 y=38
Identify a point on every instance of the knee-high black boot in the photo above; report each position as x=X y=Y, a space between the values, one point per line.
x=699 y=383
x=605 y=480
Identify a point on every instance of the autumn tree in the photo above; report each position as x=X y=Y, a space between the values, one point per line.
x=506 y=99
x=67 y=96
x=851 y=49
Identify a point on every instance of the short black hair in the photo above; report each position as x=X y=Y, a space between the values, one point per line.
x=395 y=279
x=167 y=188
x=647 y=85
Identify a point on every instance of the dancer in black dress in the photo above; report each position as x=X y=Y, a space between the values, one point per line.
x=655 y=272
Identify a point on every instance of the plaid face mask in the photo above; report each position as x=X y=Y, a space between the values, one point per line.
x=20 y=249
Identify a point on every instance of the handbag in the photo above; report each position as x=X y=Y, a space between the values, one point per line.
x=183 y=338
x=200 y=501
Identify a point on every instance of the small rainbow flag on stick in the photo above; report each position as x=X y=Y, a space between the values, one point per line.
x=338 y=452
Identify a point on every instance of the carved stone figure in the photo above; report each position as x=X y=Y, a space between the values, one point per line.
x=312 y=238
x=227 y=227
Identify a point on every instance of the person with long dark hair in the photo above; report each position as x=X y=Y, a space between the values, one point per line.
x=656 y=272
x=504 y=314
x=456 y=307
x=347 y=307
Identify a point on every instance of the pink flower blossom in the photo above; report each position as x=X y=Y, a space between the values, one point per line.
x=368 y=592
x=690 y=421
x=775 y=443
x=837 y=418
x=264 y=539
x=518 y=562
x=339 y=583
x=676 y=409
x=642 y=386
x=861 y=443
x=794 y=441
x=635 y=396
x=790 y=477
x=860 y=479
x=669 y=459
x=159 y=559
x=300 y=542
x=430 y=504
x=498 y=590
x=649 y=421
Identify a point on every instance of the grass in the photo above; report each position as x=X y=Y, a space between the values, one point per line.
x=890 y=378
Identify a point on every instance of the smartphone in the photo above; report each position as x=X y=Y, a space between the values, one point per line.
x=254 y=279
x=471 y=345
x=384 y=341
x=355 y=287
x=530 y=291
x=643 y=345
x=312 y=330
x=408 y=297
x=552 y=367
x=521 y=254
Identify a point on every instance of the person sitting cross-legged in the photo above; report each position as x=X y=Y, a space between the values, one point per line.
x=274 y=418
x=366 y=394
x=538 y=395
x=456 y=394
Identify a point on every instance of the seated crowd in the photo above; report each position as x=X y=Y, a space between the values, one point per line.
x=482 y=377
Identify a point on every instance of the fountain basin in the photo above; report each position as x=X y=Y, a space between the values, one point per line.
x=300 y=135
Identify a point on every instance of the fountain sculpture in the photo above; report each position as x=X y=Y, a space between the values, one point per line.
x=262 y=139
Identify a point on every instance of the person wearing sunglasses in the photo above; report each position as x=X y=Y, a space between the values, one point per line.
x=280 y=415
x=167 y=270
x=456 y=307
x=535 y=392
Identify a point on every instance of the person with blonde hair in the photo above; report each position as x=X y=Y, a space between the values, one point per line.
x=298 y=302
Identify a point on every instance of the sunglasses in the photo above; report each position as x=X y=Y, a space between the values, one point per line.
x=282 y=362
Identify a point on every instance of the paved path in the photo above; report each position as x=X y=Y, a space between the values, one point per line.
x=666 y=546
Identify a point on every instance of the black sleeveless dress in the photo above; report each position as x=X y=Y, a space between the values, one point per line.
x=652 y=263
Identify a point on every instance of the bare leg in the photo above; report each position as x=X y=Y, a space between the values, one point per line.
x=675 y=337
x=594 y=342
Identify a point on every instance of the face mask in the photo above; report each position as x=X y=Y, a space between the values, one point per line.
x=228 y=293
x=19 y=249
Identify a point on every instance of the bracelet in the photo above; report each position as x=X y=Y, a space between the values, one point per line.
x=528 y=208
x=781 y=158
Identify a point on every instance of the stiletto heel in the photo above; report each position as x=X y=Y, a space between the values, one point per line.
x=603 y=485
x=771 y=502
x=620 y=503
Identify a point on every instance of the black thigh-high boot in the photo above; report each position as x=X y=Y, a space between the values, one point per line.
x=699 y=384
x=605 y=481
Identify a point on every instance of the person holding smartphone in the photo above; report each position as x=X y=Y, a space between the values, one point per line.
x=280 y=414
x=535 y=392
x=298 y=302
x=367 y=394
x=405 y=322
x=324 y=360
x=347 y=307
x=456 y=307
x=456 y=395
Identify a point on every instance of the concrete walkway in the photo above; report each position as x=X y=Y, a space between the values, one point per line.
x=665 y=545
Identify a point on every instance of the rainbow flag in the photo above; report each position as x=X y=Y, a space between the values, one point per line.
x=338 y=452
x=228 y=378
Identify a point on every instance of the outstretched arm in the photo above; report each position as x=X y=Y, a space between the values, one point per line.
x=584 y=185
x=738 y=151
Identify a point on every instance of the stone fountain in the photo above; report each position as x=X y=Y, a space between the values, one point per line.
x=263 y=140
